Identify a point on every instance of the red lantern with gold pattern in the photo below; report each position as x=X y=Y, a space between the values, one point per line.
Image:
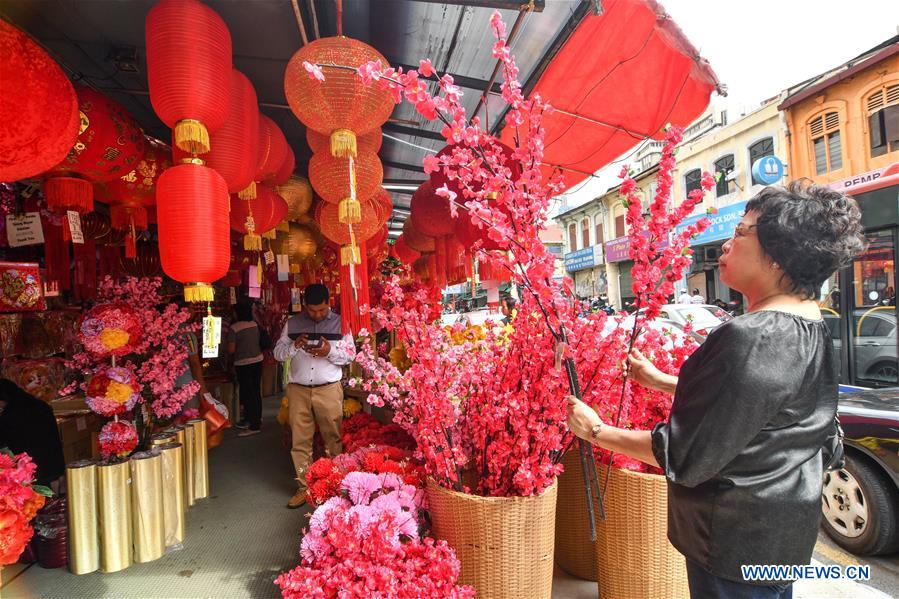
x=415 y=239
x=189 y=70
x=331 y=178
x=110 y=144
x=138 y=187
x=194 y=237
x=370 y=142
x=342 y=106
x=39 y=115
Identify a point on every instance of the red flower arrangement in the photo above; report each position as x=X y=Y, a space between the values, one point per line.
x=325 y=475
x=117 y=439
x=110 y=330
x=20 y=500
x=113 y=390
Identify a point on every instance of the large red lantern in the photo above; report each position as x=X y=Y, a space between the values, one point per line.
x=110 y=144
x=267 y=209
x=273 y=149
x=347 y=236
x=403 y=252
x=415 y=239
x=194 y=238
x=286 y=170
x=332 y=179
x=138 y=187
x=430 y=213
x=38 y=108
x=342 y=106
x=189 y=70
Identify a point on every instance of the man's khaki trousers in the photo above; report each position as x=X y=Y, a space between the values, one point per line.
x=308 y=406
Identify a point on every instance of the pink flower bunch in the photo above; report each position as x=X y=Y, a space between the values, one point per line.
x=118 y=438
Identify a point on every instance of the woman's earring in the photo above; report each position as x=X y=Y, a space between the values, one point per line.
x=776 y=265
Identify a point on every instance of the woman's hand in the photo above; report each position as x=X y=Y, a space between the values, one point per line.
x=642 y=370
x=581 y=418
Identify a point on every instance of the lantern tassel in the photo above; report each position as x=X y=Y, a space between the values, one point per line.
x=343 y=143
x=270 y=235
x=130 y=246
x=350 y=212
x=349 y=254
x=191 y=136
x=198 y=292
x=249 y=192
x=252 y=242
x=259 y=272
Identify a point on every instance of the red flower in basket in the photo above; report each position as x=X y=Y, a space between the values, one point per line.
x=110 y=330
x=113 y=390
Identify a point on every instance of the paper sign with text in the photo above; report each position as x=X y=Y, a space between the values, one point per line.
x=24 y=229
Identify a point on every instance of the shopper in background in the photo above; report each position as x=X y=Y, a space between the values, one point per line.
x=317 y=351
x=244 y=345
x=685 y=298
x=508 y=308
x=697 y=298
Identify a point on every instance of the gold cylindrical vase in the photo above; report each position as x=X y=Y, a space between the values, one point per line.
x=147 y=525
x=114 y=505
x=162 y=438
x=173 y=505
x=187 y=450
x=84 y=544
x=201 y=460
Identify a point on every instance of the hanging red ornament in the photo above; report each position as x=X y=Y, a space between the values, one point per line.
x=274 y=150
x=403 y=252
x=139 y=185
x=194 y=239
x=39 y=116
x=415 y=239
x=330 y=176
x=257 y=216
x=188 y=70
x=286 y=170
x=342 y=106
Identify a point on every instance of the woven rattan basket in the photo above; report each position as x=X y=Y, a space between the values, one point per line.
x=633 y=555
x=575 y=552
x=505 y=544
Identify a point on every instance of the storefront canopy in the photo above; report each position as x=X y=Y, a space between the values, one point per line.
x=620 y=78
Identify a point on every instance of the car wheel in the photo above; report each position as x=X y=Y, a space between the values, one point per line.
x=861 y=509
x=885 y=372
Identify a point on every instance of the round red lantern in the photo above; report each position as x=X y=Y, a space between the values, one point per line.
x=342 y=106
x=39 y=116
x=273 y=149
x=297 y=192
x=403 y=252
x=188 y=70
x=267 y=209
x=345 y=235
x=286 y=170
x=415 y=239
x=110 y=144
x=332 y=179
x=194 y=238
x=430 y=212
x=385 y=205
x=139 y=185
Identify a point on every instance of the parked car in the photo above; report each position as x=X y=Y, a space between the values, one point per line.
x=476 y=317
x=860 y=502
x=875 y=344
x=674 y=332
x=705 y=317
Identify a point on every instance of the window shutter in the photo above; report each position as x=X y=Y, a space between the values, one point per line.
x=893 y=95
x=875 y=101
x=817 y=126
x=832 y=120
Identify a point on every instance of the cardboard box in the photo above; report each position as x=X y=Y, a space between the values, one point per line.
x=76 y=433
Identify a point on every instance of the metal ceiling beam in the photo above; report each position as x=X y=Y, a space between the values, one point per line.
x=404 y=181
x=403 y=166
x=579 y=14
x=413 y=131
x=539 y=5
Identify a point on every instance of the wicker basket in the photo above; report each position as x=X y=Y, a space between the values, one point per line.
x=505 y=544
x=634 y=557
x=575 y=552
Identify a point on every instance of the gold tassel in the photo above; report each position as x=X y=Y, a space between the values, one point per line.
x=259 y=271
x=198 y=292
x=350 y=254
x=350 y=212
x=191 y=136
x=252 y=242
x=294 y=269
x=249 y=193
x=343 y=143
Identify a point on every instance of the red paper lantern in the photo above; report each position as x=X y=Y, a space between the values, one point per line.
x=194 y=238
x=138 y=187
x=109 y=145
x=430 y=212
x=385 y=205
x=342 y=106
x=326 y=217
x=330 y=176
x=39 y=115
x=415 y=239
x=189 y=70
x=273 y=149
x=267 y=209
x=403 y=252
x=286 y=170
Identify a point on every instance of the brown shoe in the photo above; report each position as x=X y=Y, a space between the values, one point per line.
x=298 y=500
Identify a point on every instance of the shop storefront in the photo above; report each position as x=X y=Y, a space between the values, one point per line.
x=707 y=246
x=618 y=271
x=586 y=270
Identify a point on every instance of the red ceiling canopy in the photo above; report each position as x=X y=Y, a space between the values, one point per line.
x=620 y=78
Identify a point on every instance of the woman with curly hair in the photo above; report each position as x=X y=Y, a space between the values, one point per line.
x=752 y=426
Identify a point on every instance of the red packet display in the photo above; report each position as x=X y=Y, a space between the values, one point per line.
x=20 y=287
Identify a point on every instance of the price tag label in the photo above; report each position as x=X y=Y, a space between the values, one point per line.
x=283 y=267
x=24 y=229
x=212 y=336
x=269 y=257
x=75 y=226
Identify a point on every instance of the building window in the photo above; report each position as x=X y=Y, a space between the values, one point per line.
x=585 y=233
x=598 y=235
x=825 y=134
x=692 y=181
x=619 y=226
x=572 y=237
x=760 y=149
x=723 y=167
x=883 y=120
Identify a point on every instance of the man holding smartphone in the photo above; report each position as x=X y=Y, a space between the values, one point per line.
x=312 y=341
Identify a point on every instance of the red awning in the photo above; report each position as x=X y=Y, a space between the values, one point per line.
x=620 y=78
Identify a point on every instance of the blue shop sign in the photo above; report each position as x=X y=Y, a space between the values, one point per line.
x=722 y=227
x=579 y=260
x=768 y=170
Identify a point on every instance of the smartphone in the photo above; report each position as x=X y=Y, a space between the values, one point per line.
x=314 y=344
